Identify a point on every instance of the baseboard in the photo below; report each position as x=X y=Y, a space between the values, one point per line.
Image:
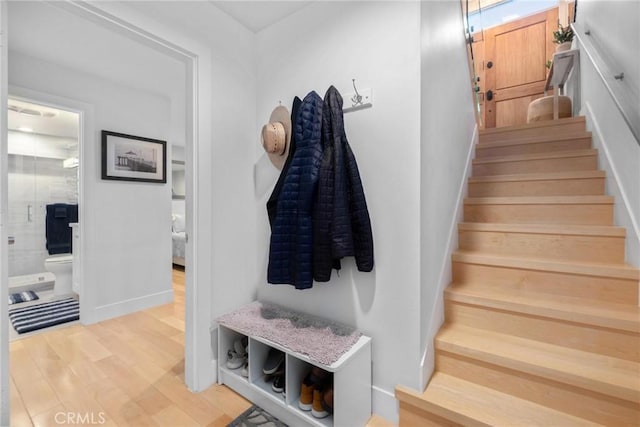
x=444 y=278
x=109 y=311
x=624 y=216
x=384 y=403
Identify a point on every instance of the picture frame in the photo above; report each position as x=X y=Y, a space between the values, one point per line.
x=133 y=158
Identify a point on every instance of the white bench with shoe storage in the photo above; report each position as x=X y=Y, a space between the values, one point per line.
x=351 y=381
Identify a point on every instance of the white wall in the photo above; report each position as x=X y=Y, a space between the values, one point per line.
x=378 y=44
x=614 y=28
x=222 y=273
x=619 y=152
x=127 y=245
x=233 y=262
x=448 y=134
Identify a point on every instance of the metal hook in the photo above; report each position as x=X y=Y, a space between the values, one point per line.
x=357 y=98
x=279 y=102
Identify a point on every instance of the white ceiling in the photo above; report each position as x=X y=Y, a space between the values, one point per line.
x=50 y=121
x=258 y=15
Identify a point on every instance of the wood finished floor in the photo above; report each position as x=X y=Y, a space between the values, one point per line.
x=127 y=371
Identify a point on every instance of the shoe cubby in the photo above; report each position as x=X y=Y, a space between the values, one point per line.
x=226 y=340
x=258 y=354
x=351 y=381
x=298 y=370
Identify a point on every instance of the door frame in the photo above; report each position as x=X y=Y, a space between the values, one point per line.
x=200 y=365
x=5 y=390
x=200 y=372
x=85 y=136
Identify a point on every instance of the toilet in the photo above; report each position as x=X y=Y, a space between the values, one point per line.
x=59 y=245
x=61 y=266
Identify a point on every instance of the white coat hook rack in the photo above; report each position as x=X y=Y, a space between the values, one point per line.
x=358 y=100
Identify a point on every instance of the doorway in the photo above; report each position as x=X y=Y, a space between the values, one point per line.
x=44 y=145
x=511 y=46
x=199 y=371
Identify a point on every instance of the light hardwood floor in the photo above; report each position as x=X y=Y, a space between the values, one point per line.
x=127 y=371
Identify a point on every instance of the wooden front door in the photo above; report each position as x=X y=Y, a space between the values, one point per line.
x=515 y=55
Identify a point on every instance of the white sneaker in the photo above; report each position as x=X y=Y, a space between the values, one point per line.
x=234 y=360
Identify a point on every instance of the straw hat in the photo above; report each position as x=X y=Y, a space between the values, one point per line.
x=276 y=136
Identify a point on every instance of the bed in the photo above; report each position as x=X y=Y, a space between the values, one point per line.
x=178 y=237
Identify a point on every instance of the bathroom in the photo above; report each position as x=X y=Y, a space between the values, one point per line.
x=43 y=183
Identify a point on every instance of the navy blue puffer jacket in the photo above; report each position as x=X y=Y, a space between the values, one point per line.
x=342 y=226
x=291 y=247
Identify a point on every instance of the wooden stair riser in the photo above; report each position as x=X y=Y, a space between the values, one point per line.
x=554 y=283
x=593 y=214
x=497 y=150
x=559 y=187
x=553 y=246
x=609 y=342
x=566 y=398
x=555 y=363
x=410 y=416
x=566 y=127
x=552 y=164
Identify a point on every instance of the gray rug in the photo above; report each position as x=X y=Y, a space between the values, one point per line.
x=256 y=416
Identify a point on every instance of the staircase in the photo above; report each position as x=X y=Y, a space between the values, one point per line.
x=542 y=324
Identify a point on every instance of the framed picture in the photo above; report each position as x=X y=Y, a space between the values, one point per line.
x=133 y=158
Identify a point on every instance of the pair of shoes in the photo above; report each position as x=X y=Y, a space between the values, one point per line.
x=313 y=390
x=237 y=357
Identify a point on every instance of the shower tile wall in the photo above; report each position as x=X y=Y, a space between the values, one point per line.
x=36 y=182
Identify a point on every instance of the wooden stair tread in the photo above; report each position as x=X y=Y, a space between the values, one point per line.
x=544 y=176
x=540 y=200
x=573 y=309
x=562 y=229
x=468 y=403
x=536 y=156
x=533 y=125
x=618 y=271
x=535 y=139
x=598 y=373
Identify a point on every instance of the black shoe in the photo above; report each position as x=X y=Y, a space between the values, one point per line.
x=274 y=361
x=278 y=383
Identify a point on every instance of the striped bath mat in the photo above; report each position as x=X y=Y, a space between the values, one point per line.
x=19 y=297
x=40 y=316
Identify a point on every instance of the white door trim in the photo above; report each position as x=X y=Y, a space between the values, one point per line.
x=4 y=203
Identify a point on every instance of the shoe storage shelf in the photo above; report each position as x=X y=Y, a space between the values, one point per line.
x=351 y=381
